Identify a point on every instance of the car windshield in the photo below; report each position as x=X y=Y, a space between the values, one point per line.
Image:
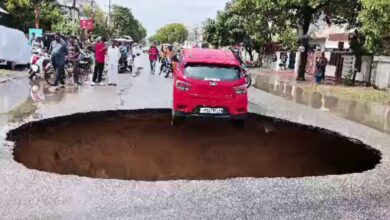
x=212 y=73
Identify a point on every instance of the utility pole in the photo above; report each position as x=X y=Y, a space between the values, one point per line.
x=109 y=13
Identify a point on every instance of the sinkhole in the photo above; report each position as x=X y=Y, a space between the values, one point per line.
x=142 y=145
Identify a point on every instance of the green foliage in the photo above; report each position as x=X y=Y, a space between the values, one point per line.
x=65 y=26
x=125 y=24
x=22 y=15
x=171 y=33
x=287 y=38
x=375 y=19
x=241 y=22
x=349 y=79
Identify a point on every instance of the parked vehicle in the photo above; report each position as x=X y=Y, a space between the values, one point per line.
x=125 y=63
x=40 y=65
x=209 y=83
x=85 y=63
x=14 y=48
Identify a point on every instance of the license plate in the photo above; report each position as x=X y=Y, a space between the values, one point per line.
x=211 y=110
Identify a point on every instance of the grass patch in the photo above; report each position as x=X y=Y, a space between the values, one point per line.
x=4 y=73
x=361 y=94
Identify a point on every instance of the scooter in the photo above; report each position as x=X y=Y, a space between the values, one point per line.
x=39 y=65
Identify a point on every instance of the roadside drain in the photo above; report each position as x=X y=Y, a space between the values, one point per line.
x=141 y=145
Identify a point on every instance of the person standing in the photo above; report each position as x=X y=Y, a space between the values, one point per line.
x=153 y=56
x=100 y=56
x=324 y=63
x=58 y=51
x=73 y=56
x=321 y=64
x=113 y=56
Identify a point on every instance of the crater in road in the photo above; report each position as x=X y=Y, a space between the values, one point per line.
x=141 y=145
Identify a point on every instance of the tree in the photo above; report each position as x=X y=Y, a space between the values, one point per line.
x=210 y=34
x=239 y=23
x=375 y=19
x=22 y=15
x=125 y=24
x=34 y=5
x=301 y=13
x=171 y=33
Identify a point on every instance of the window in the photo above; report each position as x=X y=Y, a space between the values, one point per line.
x=212 y=73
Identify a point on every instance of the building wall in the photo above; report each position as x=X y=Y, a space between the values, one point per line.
x=381 y=72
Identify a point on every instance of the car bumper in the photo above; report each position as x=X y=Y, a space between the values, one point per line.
x=186 y=114
x=185 y=105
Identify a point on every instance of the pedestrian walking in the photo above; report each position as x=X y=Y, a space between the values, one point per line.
x=58 y=51
x=100 y=56
x=153 y=56
x=113 y=56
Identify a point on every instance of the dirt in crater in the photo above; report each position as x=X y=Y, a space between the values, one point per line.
x=143 y=146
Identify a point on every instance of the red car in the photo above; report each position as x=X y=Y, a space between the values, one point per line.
x=209 y=83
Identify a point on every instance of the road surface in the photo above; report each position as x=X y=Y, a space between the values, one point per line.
x=31 y=194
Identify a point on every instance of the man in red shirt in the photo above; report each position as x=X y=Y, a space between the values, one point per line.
x=153 y=56
x=100 y=58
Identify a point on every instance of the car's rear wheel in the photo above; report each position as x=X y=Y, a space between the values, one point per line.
x=176 y=120
x=238 y=123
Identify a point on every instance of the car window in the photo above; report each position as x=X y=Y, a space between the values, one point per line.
x=212 y=73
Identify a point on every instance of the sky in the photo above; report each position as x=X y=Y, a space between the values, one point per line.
x=156 y=13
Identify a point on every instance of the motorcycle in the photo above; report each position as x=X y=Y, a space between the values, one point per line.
x=125 y=63
x=85 y=63
x=40 y=65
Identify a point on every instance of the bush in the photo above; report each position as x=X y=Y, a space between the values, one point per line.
x=348 y=79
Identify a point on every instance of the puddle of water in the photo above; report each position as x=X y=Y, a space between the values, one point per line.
x=141 y=145
x=376 y=116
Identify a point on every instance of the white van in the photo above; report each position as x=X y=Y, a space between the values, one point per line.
x=14 y=48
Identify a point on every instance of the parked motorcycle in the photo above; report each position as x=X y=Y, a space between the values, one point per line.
x=85 y=63
x=40 y=65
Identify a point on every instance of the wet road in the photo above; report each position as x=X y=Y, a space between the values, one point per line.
x=32 y=194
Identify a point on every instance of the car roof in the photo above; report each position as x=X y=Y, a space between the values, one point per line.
x=210 y=56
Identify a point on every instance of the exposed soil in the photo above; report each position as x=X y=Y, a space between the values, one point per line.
x=141 y=145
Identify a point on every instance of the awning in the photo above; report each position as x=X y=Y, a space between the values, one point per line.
x=2 y=11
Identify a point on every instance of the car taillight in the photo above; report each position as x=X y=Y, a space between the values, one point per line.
x=184 y=86
x=241 y=89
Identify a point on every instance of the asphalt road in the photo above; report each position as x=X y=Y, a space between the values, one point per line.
x=31 y=194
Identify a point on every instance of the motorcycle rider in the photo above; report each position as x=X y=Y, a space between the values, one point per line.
x=168 y=54
x=58 y=51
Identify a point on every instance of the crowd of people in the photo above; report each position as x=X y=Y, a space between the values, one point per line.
x=107 y=56
x=166 y=57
